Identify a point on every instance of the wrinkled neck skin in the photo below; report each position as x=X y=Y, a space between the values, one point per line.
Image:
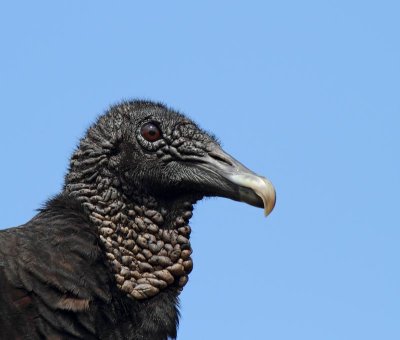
x=145 y=240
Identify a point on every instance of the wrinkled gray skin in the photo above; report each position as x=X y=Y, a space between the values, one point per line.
x=108 y=257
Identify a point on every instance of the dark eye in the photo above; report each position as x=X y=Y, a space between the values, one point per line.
x=150 y=132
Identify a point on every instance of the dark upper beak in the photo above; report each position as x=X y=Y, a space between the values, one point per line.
x=237 y=182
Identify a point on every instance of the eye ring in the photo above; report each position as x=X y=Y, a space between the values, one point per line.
x=150 y=132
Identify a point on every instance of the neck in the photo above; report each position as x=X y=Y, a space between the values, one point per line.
x=145 y=240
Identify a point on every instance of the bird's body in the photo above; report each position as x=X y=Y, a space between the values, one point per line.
x=108 y=257
x=57 y=284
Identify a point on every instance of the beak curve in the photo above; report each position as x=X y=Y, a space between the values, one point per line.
x=238 y=182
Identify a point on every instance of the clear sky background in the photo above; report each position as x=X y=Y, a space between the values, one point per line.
x=306 y=93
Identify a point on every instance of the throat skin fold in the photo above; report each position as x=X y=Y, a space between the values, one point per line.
x=146 y=242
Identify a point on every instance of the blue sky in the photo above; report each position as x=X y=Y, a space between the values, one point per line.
x=303 y=92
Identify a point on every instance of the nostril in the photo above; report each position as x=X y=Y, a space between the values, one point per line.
x=221 y=158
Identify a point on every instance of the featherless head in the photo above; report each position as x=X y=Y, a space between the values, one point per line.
x=138 y=172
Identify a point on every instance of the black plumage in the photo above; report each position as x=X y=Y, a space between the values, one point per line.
x=108 y=257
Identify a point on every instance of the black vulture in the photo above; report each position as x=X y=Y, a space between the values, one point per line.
x=108 y=256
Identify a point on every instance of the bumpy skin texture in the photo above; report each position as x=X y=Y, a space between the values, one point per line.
x=107 y=258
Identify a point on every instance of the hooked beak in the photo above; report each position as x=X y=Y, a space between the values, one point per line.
x=237 y=182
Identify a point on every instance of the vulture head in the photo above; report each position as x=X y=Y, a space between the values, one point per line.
x=137 y=172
